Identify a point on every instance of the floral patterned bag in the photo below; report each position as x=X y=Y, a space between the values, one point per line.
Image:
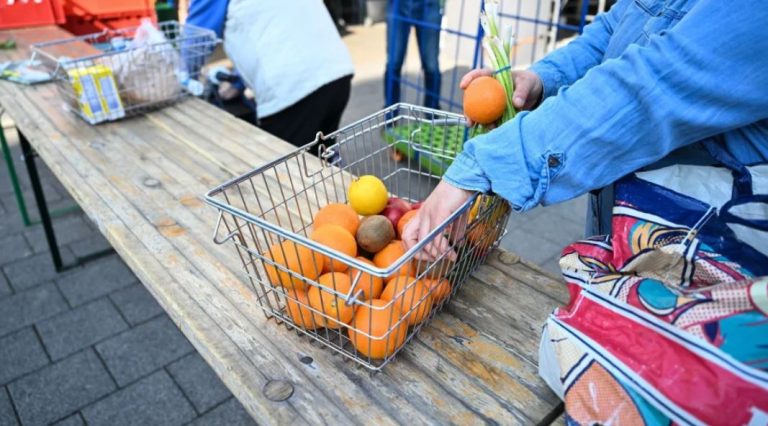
x=668 y=317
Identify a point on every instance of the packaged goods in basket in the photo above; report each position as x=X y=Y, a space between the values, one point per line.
x=96 y=93
x=320 y=239
x=147 y=71
x=148 y=66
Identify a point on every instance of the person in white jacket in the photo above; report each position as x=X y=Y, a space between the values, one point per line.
x=292 y=57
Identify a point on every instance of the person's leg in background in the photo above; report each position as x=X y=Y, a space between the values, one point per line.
x=428 y=38
x=320 y=111
x=397 y=43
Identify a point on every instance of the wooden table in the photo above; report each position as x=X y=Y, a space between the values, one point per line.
x=141 y=180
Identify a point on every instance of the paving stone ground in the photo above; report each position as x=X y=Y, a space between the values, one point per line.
x=91 y=346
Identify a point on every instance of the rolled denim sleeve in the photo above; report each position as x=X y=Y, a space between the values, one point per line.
x=697 y=80
x=569 y=63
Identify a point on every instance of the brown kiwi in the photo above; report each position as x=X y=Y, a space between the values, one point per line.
x=374 y=233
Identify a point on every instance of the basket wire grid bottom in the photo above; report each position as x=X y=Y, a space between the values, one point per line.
x=273 y=205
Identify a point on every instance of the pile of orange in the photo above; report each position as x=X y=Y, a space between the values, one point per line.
x=377 y=327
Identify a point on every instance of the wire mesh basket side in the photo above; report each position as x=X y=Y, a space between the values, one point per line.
x=102 y=77
x=268 y=215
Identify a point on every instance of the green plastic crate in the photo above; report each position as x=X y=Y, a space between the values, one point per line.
x=433 y=146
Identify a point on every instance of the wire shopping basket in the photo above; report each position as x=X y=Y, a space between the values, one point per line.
x=120 y=73
x=365 y=312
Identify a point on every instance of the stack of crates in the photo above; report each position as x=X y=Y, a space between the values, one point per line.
x=92 y=16
x=18 y=14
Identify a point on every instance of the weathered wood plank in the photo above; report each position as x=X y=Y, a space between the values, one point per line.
x=149 y=269
x=531 y=275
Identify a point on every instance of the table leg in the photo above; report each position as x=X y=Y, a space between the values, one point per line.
x=552 y=416
x=45 y=215
x=42 y=206
x=14 y=179
x=17 y=187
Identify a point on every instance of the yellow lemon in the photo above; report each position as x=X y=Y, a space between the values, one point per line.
x=368 y=195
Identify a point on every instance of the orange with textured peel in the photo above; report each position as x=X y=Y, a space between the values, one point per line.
x=296 y=258
x=411 y=296
x=337 y=214
x=484 y=100
x=380 y=322
x=337 y=238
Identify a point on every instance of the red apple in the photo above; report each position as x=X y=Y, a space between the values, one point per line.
x=393 y=214
x=415 y=206
x=395 y=209
x=399 y=203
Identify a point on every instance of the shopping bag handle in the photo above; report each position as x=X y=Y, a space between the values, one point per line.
x=742 y=178
x=728 y=217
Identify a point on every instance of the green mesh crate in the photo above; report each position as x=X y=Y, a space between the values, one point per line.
x=432 y=146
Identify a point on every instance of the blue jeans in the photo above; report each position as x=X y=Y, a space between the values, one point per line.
x=401 y=15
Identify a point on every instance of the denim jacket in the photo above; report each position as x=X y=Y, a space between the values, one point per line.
x=645 y=79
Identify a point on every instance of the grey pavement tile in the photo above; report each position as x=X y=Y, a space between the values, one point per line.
x=13 y=247
x=153 y=400
x=143 y=349
x=230 y=413
x=553 y=228
x=29 y=306
x=199 y=382
x=81 y=327
x=60 y=389
x=33 y=270
x=68 y=228
x=90 y=245
x=73 y=420
x=10 y=221
x=136 y=304
x=553 y=266
x=5 y=289
x=574 y=210
x=20 y=353
x=95 y=279
x=529 y=245
x=7 y=416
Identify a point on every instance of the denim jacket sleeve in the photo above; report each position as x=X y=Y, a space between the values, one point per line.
x=566 y=65
x=702 y=77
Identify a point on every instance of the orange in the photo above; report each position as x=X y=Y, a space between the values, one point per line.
x=298 y=311
x=337 y=214
x=404 y=219
x=484 y=100
x=389 y=255
x=440 y=289
x=371 y=285
x=298 y=259
x=335 y=309
x=337 y=238
x=408 y=295
x=380 y=322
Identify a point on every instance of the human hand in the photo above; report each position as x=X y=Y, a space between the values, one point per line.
x=528 y=87
x=440 y=204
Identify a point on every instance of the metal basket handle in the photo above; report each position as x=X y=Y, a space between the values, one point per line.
x=353 y=296
x=229 y=236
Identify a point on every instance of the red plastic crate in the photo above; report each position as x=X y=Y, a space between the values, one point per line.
x=90 y=16
x=30 y=13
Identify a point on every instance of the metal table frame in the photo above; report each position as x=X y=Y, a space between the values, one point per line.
x=29 y=155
